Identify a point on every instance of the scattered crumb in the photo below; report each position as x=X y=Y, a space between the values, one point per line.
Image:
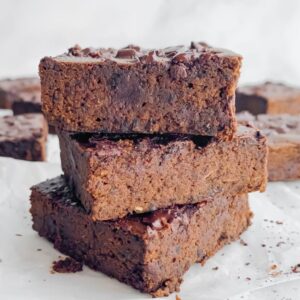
x=279 y=244
x=38 y=249
x=248 y=278
x=0 y=260
x=18 y=234
x=66 y=265
x=177 y=297
x=279 y=222
x=242 y=242
x=273 y=267
x=296 y=269
x=215 y=268
x=247 y=264
x=263 y=245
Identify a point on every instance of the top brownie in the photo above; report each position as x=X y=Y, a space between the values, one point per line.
x=189 y=90
x=268 y=98
x=25 y=90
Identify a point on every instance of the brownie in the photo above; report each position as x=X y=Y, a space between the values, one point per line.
x=23 y=95
x=283 y=139
x=23 y=137
x=114 y=175
x=189 y=90
x=149 y=251
x=268 y=98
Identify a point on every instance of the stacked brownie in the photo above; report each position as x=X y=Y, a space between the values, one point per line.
x=156 y=171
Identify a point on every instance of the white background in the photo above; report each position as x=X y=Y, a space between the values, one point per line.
x=265 y=32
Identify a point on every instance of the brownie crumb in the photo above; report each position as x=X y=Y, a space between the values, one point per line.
x=280 y=243
x=248 y=278
x=296 y=269
x=242 y=242
x=18 y=234
x=215 y=268
x=38 y=249
x=247 y=264
x=67 y=265
x=273 y=267
x=279 y=222
x=263 y=245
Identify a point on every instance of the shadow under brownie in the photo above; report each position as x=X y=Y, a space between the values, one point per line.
x=150 y=252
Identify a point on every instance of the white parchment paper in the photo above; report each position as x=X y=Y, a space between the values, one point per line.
x=258 y=267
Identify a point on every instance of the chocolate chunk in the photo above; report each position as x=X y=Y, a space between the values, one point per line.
x=178 y=72
x=126 y=54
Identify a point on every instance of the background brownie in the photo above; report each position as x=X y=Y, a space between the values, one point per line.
x=26 y=92
x=283 y=138
x=23 y=137
x=268 y=98
x=151 y=251
x=173 y=90
x=119 y=174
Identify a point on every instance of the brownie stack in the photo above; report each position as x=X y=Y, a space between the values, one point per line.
x=156 y=172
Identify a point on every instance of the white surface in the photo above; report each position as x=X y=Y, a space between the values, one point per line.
x=25 y=271
x=265 y=32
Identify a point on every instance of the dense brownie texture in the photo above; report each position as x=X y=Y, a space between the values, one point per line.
x=23 y=137
x=283 y=139
x=268 y=98
x=150 y=251
x=23 y=95
x=180 y=89
x=114 y=175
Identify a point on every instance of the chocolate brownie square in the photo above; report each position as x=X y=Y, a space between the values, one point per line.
x=268 y=98
x=283 y=139
x=188 y=90
x=150 y=252
x=114 y=175
x=23 y=137
x=23 y=95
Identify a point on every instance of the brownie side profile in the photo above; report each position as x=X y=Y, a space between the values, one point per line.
x=189 y=90
x=150 y=252
x=25 y=91
x=23 y=137
x=268 y=98
x=114 y=175
x=283 y=139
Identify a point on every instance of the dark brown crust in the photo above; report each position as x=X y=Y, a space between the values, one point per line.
x=152 y=251
x=283 y=139
x=114 y=175
x=24 y=137
x=22 y=90
x=187 y=91
x=268 y=98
